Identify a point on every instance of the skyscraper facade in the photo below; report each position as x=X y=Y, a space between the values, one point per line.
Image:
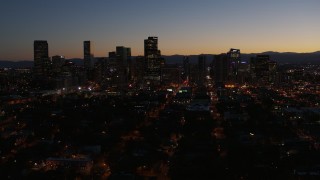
x=57 y=63
x=262 y=69
x=234 y=60
x=259 y=65
x=41 y=58
x=87 y=55
x=153 y=59
x=201 y=69
x=186 y=68
x=123 y=58
x=221 y=68
x=140 y=67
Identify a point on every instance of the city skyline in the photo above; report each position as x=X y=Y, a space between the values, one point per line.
x=183 y=27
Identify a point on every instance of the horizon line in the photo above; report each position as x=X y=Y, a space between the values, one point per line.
x=17 y=60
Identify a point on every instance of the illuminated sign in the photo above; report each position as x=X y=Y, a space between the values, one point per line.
x=229 y=86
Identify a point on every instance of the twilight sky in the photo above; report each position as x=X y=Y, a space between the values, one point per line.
x=183 y=26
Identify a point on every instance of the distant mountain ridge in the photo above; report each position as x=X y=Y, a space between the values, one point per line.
x=280 y=57
x=292 y=57
x=16 y=64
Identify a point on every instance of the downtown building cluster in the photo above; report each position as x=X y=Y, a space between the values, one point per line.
x=119 y=71
x=230 y=69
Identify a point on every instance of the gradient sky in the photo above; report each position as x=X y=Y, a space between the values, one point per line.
x=183 y=26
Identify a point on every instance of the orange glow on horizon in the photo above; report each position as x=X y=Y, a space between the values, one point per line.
x=77 y=52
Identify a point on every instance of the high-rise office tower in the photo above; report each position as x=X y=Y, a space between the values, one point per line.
x=262 y=69
x=273 y=71
x=152 y=57
x=112 y=59
x=259 y=66
x=221 y=68
x=111 y=74
x=87 y=55
x=123 y=65
x=186 y=68
x=57 y=63
x=140 y=67
x=234 y=59
x=123 y=55
x=41 y=58
x=100 y=71
x=201 y=69
x=88 y=60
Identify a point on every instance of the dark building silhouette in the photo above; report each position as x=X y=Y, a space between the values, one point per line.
x=100 y=72
x=112 y=58
x=221 y=68
x=243 y=73
x=41 y=59
x=57 y=63
x=234 y=60
x=153 y=59
x=118 y=69
x=123 y=56
x=87 y=55
x=259 y=66
x=88 y=60
x=58 y=73
x=111 y=73
x=193 y=73
x=273 y=66
x=67 y=77
x=201 y=69
x=262 y=69
x=139 y=71
x=186 y=69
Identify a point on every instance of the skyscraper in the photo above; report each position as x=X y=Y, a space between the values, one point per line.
x=57 y=63
x=220 y=68
x=234 y=59
x=259 y=66
x=186 y=68
x=153 y=60
x=87 y=55
x=123 y=55
x=41 y=58
x=201 y=69
x=262 y=69
x=140 y=67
